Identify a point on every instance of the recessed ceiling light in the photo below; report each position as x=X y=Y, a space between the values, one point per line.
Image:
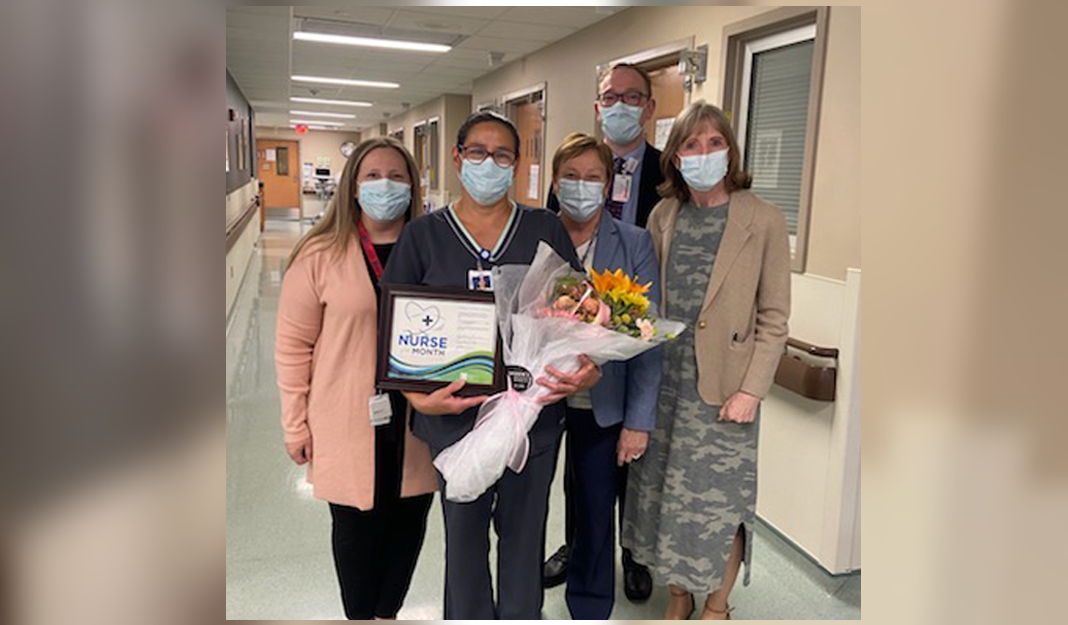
x=342 y=115
x=315 y=121
x=371 y=42
x=347 y=81
x=337 y=102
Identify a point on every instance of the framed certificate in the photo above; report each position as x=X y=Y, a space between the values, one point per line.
x=429 y=337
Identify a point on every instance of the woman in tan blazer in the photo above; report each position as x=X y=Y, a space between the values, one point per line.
x=725 y=270
x=377 y=477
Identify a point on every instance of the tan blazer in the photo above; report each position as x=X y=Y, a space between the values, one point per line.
x=741 y=331
x=325 y=361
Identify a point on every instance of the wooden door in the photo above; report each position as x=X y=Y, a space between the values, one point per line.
x=670 y=99
x=422 y=162
x=278 y=167
x=530 y=174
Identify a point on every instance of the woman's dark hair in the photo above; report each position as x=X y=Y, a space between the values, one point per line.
x=486 y=116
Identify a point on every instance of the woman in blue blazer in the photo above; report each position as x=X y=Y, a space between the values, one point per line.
x=608 y=426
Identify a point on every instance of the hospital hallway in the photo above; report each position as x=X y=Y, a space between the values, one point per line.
x=278 y=559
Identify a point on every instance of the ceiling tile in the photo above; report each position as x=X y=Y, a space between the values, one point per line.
x=364 y=15
x=432 y=22
x=526 y=30
x=479 y=42
x=572 y=17
x=488 y=12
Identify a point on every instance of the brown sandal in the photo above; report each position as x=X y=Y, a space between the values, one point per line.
x=711 y=614
x=680 y=616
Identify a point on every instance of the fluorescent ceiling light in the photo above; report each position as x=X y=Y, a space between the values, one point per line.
x=337 y=102
x=341 y=115
x=315 y=127
x=371 y=42
x=346 y=81
x=315 y=121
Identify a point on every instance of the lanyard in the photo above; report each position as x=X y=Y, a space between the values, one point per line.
x=586 y=254
x=369 y=251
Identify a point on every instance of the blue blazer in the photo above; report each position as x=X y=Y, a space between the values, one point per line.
x=628 y=390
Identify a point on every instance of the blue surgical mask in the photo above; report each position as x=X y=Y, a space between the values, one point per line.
x=486 y=182
x=581 y=199
x=704 y=171
x=384 y=199
x=621 y=122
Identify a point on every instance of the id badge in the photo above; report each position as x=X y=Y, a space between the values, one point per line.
x=621 y=188
x=479 y=280
x=380 y=409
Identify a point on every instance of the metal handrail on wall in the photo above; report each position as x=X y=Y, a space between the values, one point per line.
x=236 y=228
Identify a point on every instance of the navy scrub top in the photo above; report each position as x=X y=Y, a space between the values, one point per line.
x=434 y=250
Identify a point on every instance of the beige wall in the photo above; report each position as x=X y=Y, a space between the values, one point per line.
x=834 y=235
x=452 y=110
x=568 y=68
x=237 y=259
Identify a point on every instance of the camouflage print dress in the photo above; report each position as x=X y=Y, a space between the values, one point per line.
x=696 y=482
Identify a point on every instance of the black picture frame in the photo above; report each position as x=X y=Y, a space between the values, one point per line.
x=390 y=293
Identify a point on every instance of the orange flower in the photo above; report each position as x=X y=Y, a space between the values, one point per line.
x=607 y=281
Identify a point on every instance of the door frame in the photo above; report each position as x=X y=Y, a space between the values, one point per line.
x=733 y=59
x=513 y=97
x=642 y=57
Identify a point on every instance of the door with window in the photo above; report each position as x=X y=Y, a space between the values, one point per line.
x=276 y=167
x=670 y=96
x=773 y=93
x=527 y=112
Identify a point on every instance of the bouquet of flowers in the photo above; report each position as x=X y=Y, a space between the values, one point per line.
x=609 y=298
x=548 y=314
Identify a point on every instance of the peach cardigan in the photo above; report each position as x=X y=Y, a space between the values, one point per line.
x=325 y=361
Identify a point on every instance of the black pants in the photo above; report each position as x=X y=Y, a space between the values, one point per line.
x=375 y=551
x=375 y=554
x=592 y=477
x=569 y=509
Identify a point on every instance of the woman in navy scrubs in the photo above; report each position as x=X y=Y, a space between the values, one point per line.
x=457 y=247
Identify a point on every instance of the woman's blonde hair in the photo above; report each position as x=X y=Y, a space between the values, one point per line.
x=578 y=143
x=339 y=222
x=686 y=124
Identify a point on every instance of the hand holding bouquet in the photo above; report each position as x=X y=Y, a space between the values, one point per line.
x=548 y=315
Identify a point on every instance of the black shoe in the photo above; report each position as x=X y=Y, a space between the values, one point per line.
x=554 y=572
x=637 y=582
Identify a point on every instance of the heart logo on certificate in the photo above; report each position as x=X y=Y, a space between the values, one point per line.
x=422 y=319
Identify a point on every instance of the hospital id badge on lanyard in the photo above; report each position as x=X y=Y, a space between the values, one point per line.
x=379 y=407
x=480 y=279
x=622 y=183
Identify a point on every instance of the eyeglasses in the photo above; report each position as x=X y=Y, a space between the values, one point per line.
x=477 y=154
x=630 y=98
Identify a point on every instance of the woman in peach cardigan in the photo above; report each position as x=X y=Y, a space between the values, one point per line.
x=377 y=478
